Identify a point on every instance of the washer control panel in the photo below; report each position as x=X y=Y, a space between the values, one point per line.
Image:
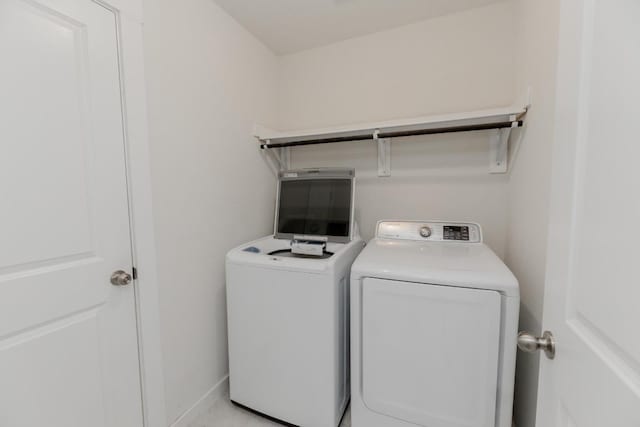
x=438 y=231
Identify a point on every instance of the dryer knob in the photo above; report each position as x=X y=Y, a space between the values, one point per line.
x=425 y=231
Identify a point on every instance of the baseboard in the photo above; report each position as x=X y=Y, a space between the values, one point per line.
x=203 y=404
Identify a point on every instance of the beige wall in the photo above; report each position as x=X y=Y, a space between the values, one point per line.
x=453 y=63
x=208 y=82
x=529 y=182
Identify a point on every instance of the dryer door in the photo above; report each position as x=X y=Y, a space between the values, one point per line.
x=430 y=353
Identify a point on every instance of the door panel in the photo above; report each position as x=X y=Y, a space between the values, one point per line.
x=36 y=358
x=606 y=212
x=592 y=293
x=68 y=339
x=430 y=353
x=47 y=82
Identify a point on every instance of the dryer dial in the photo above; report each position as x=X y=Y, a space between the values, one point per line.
x=425 y=231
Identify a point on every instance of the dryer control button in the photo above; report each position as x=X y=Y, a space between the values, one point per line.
x=425 y=231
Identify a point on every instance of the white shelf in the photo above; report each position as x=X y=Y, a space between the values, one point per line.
x=499 y=121
x=445 y=122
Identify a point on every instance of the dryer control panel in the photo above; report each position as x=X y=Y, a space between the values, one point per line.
x=437 y=231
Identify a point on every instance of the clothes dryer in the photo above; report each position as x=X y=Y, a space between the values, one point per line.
x=434 y=316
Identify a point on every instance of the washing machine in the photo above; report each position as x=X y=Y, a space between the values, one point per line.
x=287 y=303
x=434 y=316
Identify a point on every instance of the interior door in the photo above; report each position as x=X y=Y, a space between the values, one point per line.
x=593 y=287
x=68 y=340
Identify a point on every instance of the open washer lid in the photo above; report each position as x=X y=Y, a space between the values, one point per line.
x=316 y=204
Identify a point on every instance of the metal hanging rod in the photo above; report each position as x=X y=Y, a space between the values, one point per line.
x=394 y=134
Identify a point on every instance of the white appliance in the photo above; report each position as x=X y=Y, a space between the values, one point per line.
x=434 y=316
x=288 y=308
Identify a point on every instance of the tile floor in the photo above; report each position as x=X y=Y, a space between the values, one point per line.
x=224 y=414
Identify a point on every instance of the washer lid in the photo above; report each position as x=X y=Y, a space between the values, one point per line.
x=316 y=203
x=467 y=265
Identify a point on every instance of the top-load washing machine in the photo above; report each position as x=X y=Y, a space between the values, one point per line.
x=434 y=316
x=287 y=303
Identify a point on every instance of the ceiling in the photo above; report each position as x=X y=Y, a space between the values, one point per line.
x=288 y=26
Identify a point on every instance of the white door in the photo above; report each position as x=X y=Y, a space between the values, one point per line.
x=592 y=300
x=68 y=341
x=405 y=376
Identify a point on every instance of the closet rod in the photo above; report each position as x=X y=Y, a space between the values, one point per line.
x=396 y=134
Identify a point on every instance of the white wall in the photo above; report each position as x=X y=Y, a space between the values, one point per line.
x=453 y=63
x=537 y=37
x=208 y=82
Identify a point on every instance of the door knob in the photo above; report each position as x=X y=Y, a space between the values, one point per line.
x=121 y=278
x=530 y=343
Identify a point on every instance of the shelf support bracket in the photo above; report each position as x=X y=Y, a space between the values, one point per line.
x=285 y=158
x=499 y=150
x=280 y=158
x=384 y=154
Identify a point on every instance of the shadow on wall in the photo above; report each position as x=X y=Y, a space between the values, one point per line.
x=527 y=365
